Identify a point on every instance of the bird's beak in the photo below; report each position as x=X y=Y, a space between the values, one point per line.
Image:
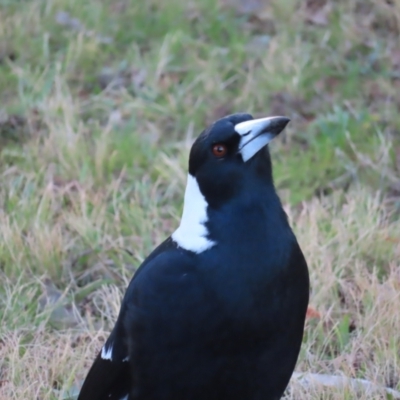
x=257 y=133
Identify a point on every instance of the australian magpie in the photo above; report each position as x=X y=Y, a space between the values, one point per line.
x=217 y=311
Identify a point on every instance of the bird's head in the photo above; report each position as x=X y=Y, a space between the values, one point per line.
x=229 y=161
x=232 y=154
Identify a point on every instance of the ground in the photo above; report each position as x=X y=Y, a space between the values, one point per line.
x=99 y=103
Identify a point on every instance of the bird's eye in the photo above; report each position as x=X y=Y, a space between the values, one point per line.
x=219 y=150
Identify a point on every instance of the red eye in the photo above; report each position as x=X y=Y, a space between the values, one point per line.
x=219 y=150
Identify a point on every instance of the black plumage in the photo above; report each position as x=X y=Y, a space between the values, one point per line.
x=216 y=311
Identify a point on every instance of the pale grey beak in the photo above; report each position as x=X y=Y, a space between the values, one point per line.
x=257 y=133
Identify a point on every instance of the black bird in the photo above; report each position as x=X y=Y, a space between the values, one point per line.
x=217 y=311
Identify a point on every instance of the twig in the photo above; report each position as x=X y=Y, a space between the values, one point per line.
x=308 y=379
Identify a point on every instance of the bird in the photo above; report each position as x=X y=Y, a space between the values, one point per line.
x=216 y=311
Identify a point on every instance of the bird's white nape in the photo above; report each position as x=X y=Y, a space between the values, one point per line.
x=192 y=232
x=106 y=353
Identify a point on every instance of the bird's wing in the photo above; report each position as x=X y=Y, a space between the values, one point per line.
x=108 y=378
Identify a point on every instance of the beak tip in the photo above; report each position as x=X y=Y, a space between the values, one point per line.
x=279 y=124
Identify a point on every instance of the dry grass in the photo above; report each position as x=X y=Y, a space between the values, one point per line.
x=96 y=119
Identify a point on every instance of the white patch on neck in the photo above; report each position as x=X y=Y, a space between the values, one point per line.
x=192 y=232
x=106 y=354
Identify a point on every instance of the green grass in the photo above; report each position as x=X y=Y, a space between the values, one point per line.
x=99 y=103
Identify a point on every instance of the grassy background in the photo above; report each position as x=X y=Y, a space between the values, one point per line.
x=99 y=103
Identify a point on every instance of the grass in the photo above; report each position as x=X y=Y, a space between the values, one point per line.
x=99 y=103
